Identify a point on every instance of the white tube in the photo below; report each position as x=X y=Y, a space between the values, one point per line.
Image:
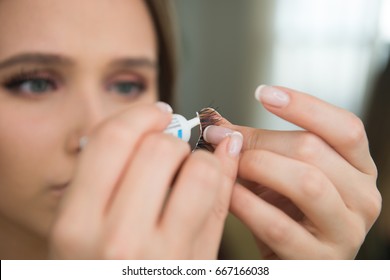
x=181 y=127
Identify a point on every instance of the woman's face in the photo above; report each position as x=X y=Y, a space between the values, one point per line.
x=64 y=66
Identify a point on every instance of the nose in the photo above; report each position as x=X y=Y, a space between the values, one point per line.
x=85 y=111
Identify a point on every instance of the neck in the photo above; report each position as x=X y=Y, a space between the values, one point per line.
x=17 y=243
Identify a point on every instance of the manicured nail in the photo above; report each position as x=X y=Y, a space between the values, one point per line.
x=272 y=96
x=214 y=134
x=164 y=107
x=235 y=143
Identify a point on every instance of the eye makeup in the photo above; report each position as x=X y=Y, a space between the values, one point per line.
x=35 y=82
x=127 y=85
x=31 y=82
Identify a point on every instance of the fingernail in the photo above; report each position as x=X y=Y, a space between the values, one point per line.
x=83 y=142
x=164 y=107
x=214 y=134
x=235 y=143
x=272 y=96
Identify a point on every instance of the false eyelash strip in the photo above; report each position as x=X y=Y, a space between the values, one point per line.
x=208 y=116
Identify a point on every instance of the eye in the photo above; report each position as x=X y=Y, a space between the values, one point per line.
x=127 y=88
x=29 y=84
x=36 y=86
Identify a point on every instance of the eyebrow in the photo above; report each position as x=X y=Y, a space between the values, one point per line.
x=34 y=58
x=134 y=63
x=54 y=59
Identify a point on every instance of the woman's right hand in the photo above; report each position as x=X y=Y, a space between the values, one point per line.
x=141 y=194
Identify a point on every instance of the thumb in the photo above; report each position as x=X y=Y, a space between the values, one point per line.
x=215 y=128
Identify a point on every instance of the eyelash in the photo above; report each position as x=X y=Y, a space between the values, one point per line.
x=133 y=86
x=15 y=82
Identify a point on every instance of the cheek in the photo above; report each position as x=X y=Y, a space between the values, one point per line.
x=25 y=151
x=24 y=142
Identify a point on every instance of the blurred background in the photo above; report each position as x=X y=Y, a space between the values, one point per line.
x=337 y=50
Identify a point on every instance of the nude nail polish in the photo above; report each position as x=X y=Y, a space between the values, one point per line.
x=272 y=96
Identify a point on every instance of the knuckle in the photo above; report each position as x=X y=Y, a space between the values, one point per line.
x=220 y=212
x=310 y=147
x=278 y=232
x=251 y=161
x=356 y=132
x=254 y=140
x=373 y=206
x=313 y=183
x=221 y=209
x=374 y=170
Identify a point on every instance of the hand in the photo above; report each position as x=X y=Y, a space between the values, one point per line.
x=308 y=194
x=120 y=204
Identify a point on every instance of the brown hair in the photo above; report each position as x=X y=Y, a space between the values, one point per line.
x=161 y=13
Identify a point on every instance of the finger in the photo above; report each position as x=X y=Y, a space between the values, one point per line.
x=109 y=149
x=146 y=183
x=193 y=198
x=287 y=238
x=210 y=237
x=341 y=129
x=305 y=185
x=309 y=148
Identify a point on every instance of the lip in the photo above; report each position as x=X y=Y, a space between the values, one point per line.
x=58 y=190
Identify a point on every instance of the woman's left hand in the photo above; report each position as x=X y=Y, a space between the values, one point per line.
x=305 y=194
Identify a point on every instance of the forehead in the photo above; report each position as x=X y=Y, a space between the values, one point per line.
x=84 y=27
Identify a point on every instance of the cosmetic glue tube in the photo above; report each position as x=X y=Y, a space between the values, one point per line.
x=181 y=127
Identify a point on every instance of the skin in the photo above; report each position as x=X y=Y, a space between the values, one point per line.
x=61 y=201
x=306 y=194
x=94 y=74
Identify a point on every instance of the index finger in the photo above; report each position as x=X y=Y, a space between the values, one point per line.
x=341 y=129
x=107 y=154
